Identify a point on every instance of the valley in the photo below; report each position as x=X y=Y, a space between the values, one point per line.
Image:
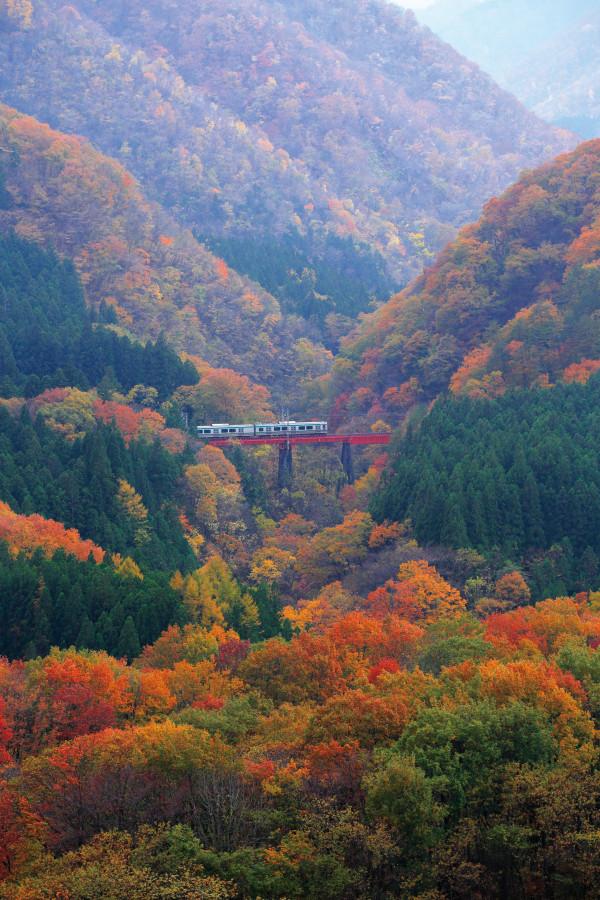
x=299 y=466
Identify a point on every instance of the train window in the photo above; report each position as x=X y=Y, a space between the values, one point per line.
x=301 y=427
x=223 y=431
x=261 y=429
x=277 y=428
x=309 y=427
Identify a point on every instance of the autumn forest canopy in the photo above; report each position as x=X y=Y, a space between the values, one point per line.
x=227 y=674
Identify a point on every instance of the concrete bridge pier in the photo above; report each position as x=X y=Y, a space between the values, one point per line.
x=348 y=462
x=286 y=466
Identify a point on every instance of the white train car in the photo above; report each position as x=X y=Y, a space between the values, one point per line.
x=290 y=427
x=260 y=429
x=224 y=429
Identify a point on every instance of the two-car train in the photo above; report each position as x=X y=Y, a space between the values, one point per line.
x=260 y=429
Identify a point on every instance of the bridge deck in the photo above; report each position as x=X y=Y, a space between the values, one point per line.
x=294 y=440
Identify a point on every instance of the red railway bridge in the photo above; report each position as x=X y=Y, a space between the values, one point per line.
x=287 y=442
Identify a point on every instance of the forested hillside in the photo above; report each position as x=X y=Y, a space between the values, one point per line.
x=511 y=303
x=48 y=337
x=517 y=475
x=344 y=135
x=134 y=259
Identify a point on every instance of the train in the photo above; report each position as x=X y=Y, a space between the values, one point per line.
x=260 y=429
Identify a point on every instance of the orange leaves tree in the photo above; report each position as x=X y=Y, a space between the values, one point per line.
x=307 y=668
x=544 y=626
x=419 y=593
x=223 y=395
x=512 y=589
x=27 y=533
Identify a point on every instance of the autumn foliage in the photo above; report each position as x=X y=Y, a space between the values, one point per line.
x=527 y=272
x=208 y=731
x=27 y=533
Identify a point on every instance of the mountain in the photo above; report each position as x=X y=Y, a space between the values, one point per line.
x=513 y=302
x=325 y=149
x=490 y=361
x=561 y=82
x=135 y=260
x=215 y=686
x=500 y=35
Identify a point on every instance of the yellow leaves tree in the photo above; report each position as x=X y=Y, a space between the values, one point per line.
x=134 y=508
x=333 y=551
x=213 y=597
x=271 y=564
x=203 y=487
x=192 y=535
x=214 y=488
x=127 y=567
x=301 y=618
x=67 y=410
x=191 y=643
x=331 y=603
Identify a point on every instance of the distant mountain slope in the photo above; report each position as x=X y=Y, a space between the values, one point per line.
x=561 y=82
x=340 y=135
x=132 y=256
x=498 y=34
x=545 y=53
x=513 y=302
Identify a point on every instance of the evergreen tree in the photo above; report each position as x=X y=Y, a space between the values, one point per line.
x=47 y=338
x=128 y=644
x=519 y=475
